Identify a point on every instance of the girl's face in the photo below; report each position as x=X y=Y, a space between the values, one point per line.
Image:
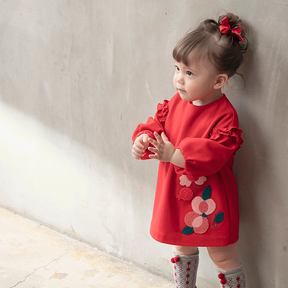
x=198 y=82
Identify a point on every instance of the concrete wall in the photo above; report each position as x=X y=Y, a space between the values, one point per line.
x=78 y=76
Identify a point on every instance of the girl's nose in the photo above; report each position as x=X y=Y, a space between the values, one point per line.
x=180 y=78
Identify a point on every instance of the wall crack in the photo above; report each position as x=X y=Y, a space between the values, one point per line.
x=57 y=259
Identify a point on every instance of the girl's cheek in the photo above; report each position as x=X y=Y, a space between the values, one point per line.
x=174 y=81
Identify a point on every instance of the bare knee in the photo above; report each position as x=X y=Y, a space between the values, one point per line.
x=224 y=258
x=185 y=250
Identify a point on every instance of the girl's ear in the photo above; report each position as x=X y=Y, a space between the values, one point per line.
x=221 y=80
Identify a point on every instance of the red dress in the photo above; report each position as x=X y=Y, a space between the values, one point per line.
x=197 y=205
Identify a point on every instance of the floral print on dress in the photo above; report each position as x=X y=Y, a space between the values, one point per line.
x=184 y=181
x=198 y=220
x=186 y=193
x=201 y=180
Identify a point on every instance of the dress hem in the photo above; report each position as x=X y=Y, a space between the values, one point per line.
x=219 y=242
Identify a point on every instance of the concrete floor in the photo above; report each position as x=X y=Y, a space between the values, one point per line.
x=33 y=256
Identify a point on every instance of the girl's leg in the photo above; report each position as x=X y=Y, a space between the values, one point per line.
x=225 y=258
x=185 y=265
x=185 y=250
x=228 y=266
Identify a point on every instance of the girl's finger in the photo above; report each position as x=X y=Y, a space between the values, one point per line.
x=153 y=142
x=164 y=137
x=154 y=150
x=139 y=145
x=138 y=150
x=136 y=155
x=154 y=156
x=157 y=136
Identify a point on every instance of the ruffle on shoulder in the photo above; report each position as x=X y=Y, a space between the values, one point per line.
x=162 y=112
x=231 y=131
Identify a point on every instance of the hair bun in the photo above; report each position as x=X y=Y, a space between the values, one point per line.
x=235 y=22
x=208 y=40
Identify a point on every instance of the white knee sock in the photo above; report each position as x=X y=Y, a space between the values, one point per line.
x=234 y=278
x=185 y=270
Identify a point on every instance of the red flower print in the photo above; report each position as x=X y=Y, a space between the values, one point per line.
x=186 y=193
x=198 y=223
x=203 y=207
x=197 y=220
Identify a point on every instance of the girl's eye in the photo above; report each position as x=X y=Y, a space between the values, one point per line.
x=177 y=68
x=189 y=73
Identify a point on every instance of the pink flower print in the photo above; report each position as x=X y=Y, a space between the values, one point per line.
x=197 y=220
x=201 y=180
x=186 y=193
x=184 y=181
x=203 y=207
x=195 y=223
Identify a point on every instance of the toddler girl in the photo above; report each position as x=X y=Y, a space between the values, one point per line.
x=195 y=136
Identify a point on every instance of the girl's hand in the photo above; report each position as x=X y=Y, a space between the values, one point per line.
x=163 y=149
x=140 y=145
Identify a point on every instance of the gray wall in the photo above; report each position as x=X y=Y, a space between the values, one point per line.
x=78 y=76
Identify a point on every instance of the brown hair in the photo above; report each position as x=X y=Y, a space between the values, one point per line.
x=225 y=51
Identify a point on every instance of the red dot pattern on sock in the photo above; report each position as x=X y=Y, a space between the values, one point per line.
x=185 y=272
x=233 y=281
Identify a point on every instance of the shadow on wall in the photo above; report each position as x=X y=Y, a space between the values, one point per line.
x=251 y=227
x=62 y=65
x=51 y=72
x=251 y=162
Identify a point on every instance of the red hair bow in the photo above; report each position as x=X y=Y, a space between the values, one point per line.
x=225 y=28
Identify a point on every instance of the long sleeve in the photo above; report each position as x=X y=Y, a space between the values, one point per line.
x=152 y=125
x=190 y=210
x=205 y=156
